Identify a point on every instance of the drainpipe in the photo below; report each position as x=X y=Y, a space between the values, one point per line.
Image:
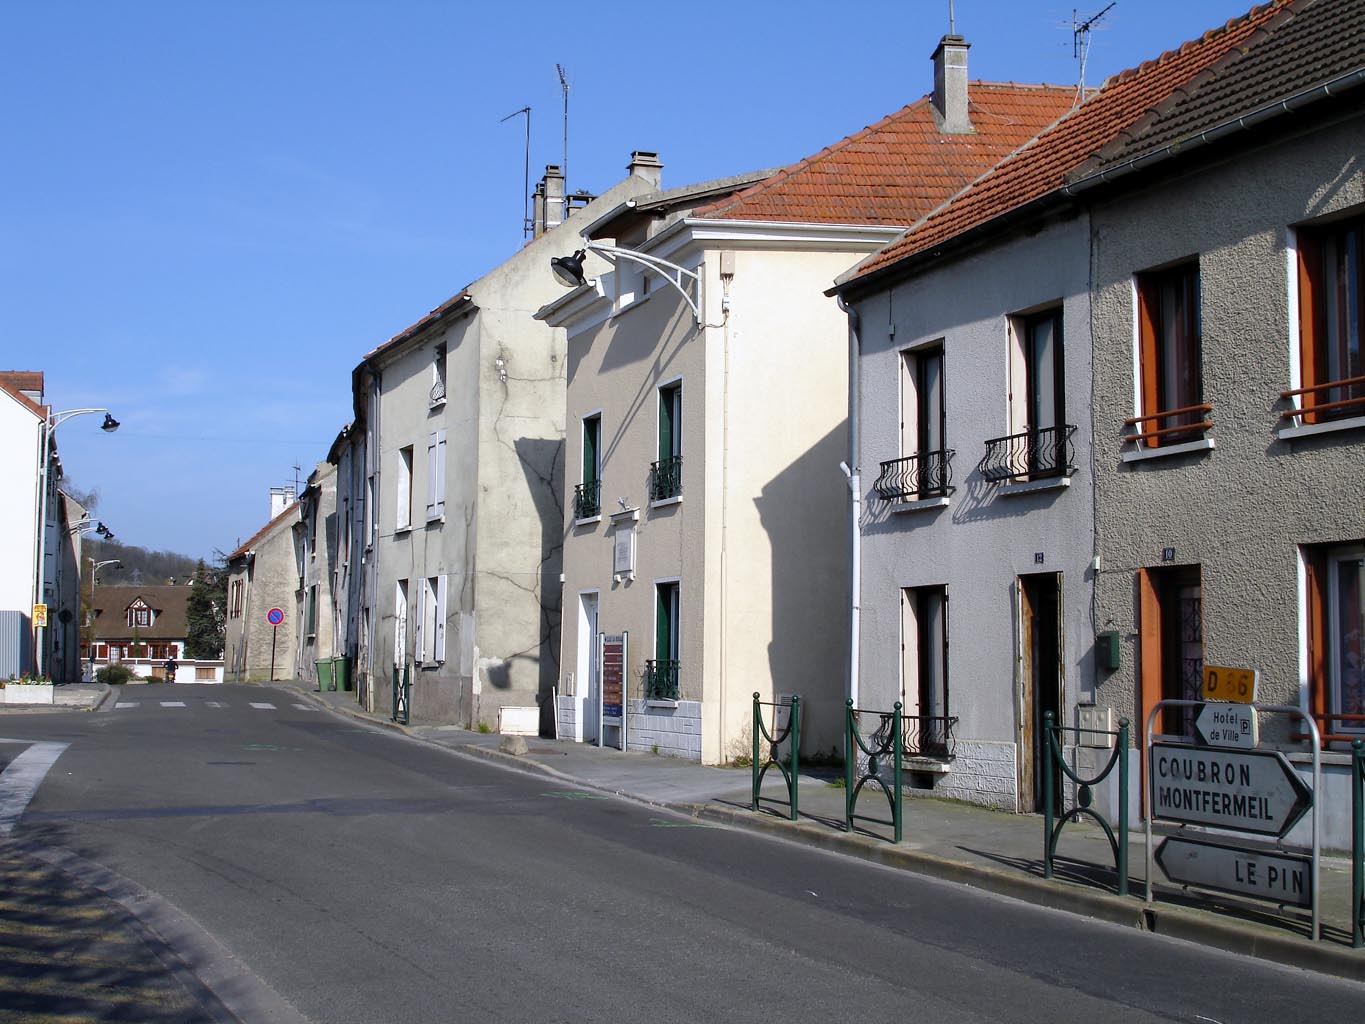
x=855 y=490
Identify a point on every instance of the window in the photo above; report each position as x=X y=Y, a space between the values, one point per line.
x=922 y=471
x=665 y=476
x=371 y=525
x=436 y=474
x=235 y=600
x=431 y=620
x=661 y=673
x=1331 y=311
x=312 y=621
x=403 y=518
x=1336 y=638
x=587 y=497
x=1039 y=444
x=1171 y=643
x=924 y=668
x=438 y=377
x=400 y=622
x=139 y=615
x=1172 y=387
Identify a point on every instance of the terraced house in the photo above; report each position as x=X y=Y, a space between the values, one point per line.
x=706 y=515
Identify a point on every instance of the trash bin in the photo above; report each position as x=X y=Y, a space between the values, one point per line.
x=341 y=672
x=326 y=681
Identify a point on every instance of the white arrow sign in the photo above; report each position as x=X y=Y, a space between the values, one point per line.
x=1264 y=875
x=1247 y=791
x=1228 y=725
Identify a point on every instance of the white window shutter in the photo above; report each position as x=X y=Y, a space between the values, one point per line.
x=440 y=475
x=440 y=644
x=432 y=462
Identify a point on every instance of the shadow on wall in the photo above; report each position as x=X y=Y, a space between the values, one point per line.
x=804 y=511
x=542 y=460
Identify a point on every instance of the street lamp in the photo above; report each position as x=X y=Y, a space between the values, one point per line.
x=568 y=270
x=53 y=421
x=95 y=568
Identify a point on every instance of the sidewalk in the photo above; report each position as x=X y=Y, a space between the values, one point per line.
x=990 y=850
x=67 y=697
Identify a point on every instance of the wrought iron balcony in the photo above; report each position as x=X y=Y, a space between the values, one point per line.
x=438 y=392
x=926 y=475
x=665 y=478
x=930 y=736
x=1032 y=455
x=661 y=680
x=587 y=499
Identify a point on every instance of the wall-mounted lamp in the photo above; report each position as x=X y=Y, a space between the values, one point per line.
x=568 y=270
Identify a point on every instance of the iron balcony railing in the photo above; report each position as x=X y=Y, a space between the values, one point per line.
x=661 y=679
x=1031 y=455
x=926 y=475
x=665 y=478
x=587 y=499
x=438 y=392
x=930 y=736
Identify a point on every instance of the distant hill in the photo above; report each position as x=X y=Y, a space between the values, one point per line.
x=139 y=564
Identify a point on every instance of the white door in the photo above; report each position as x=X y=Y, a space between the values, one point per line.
x=589 y=686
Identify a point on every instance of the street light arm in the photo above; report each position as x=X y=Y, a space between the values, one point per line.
x=58 y=418
x=672 y=273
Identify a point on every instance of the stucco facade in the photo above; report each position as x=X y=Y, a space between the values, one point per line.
x=263 y=573
x=20 y=456
x=317 y=530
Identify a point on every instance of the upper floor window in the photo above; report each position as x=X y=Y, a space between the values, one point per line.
x=438 y=376
x=1170 y=358
x=1039 y=442
x=665 y=477
x=403 y=516
x=139 y=616
x=436 y=474
x=922 y=471
x=587 y=497
x=1331 y=320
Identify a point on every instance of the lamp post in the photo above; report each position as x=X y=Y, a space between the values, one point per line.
x=95 y=568
x=568 y=270
x=54 y=420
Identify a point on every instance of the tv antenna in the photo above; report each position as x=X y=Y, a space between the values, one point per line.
x=297 y=469
x=526 y=226
x=564 y=84
x=1080 y=44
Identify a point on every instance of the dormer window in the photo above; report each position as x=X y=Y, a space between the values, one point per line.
x=139 y=614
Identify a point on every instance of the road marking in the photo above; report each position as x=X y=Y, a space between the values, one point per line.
x=214 y=704
x=172 y=703
x=262 y=706
x=303 y=707
x=21 y=780
x=126 y=704
x=574 y=794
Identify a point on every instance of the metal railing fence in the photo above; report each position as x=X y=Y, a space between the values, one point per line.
x=791 y=735
x=1053 y=825
x=887 y=740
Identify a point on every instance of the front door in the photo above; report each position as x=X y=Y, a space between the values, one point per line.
x=589 y=667
x=1040 y=665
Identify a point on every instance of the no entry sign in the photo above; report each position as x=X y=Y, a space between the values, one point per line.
x=275 y=616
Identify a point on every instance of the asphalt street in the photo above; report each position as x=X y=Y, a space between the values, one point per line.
x=345 y=873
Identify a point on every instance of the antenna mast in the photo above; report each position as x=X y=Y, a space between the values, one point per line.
x=952 y=21
x=1080 y=44
x=564 y=84
x=526 y=226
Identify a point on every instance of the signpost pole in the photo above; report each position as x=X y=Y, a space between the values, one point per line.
x=273 y=631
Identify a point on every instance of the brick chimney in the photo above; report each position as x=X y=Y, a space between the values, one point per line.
x=950 y=86
x=644 y=164
x=549 y=200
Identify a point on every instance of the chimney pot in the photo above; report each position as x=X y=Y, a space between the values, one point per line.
x=645 y=164
x=950 y=85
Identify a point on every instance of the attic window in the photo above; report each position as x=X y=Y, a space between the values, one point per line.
x=139 y=616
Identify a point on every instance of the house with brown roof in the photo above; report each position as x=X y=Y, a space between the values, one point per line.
x=1134 y=341
x=705 y=509
x=139 y=623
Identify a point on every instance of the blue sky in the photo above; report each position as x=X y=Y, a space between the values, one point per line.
x=209 y=212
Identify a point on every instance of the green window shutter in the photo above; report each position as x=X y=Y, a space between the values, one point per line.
x=666 y=622
x=592 y=429
x=670 y=403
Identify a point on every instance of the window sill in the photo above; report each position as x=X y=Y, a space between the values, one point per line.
x=928 y=764
x=398 y=531
x=1143 y=454
x=1312 y=429
x=633 y=302
x=665 y=502
x=1051 y=483
x=436 y=520
x=919 y=505
x=661 y=703
x=433 y=406
x=588 y=520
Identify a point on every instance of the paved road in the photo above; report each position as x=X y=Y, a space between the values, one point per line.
x=364 y=877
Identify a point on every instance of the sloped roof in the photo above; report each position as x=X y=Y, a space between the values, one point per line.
x=1044 y=164
x=1307 y=43
x=15 y=382
x=900 y=168
x=412 y=330
x=242 y=549
x=169 y=623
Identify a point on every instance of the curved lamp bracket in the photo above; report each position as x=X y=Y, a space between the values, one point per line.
x=569 y=270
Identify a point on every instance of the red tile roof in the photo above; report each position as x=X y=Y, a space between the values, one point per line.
x=902 y=167
x=16 y=382
x=1043 y=165
x=244 y=548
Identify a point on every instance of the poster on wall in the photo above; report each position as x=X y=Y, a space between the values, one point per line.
x=611 y=670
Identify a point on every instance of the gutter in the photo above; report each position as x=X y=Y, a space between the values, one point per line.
x=855 y=489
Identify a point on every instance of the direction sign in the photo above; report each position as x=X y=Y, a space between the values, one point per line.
x=1246 y=791
x=1227 y=725
x=275 y=616
x=1264 y=875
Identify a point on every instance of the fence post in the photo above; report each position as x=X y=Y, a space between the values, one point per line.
x=1046 y=768
x=796 y=752
x=1123 y=807
x=850 y=757
x=753 y=765
x=393 y=706
x=897 y=757
x=1357 y=844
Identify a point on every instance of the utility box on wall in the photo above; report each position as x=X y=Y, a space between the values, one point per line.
x=1107 y=650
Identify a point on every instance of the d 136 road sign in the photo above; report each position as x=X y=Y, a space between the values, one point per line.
x=1262 y=874
x=1247 y=791
x=1227 y=725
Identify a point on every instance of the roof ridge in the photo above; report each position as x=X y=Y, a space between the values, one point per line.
x=244 y=547
x=1207 y=36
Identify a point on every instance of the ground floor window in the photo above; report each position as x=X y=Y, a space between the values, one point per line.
x=924 y=668
x=1336 y=637
x=661 y=672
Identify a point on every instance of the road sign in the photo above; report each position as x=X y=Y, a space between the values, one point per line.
x=275 y=616
x=1264 y=875
x=1247 y=791
x=1227 y=725
x=613 y=657
x=1237 y=684
x=40 y=615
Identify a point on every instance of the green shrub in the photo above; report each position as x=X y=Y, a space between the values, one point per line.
x=114 y=675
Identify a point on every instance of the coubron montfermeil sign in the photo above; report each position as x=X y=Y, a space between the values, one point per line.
x=1246 y=791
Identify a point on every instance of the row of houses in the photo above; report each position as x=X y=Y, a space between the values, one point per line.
x=1073 y=380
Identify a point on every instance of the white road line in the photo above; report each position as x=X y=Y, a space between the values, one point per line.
x=303 y=707
x=262 y=707
x=172 y=703
x=126 y=704
x=21 y=780
x=214 y=704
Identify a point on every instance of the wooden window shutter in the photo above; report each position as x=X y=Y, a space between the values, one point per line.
x=1315 y=573
x=1312 y=357
x=1148 y=298
x=421 y=644
x=1149 y=645
x=440 y=645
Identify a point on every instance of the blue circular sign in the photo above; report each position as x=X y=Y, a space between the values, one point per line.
x=275 y=616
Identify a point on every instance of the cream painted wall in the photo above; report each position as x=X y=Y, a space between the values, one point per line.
x=20 y=435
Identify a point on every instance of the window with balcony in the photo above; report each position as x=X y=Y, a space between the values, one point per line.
x=438 y=377
x=665 y=476
x=924 y=469
x=1170 y=359
x=1331 y=320
x=587 y=493
x=1335 y=577
x=661 y=672
x=1039 y=445
x=924 y=671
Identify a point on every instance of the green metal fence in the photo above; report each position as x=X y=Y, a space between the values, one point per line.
x=402 y=696
x=1054 y=762
x=774 y=739
x=1357 y=844
x=887 y=741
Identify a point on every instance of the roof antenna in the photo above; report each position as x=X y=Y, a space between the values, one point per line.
x=564 y=84
x=526 y=225
x=1080 y=45
x=952 y=21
